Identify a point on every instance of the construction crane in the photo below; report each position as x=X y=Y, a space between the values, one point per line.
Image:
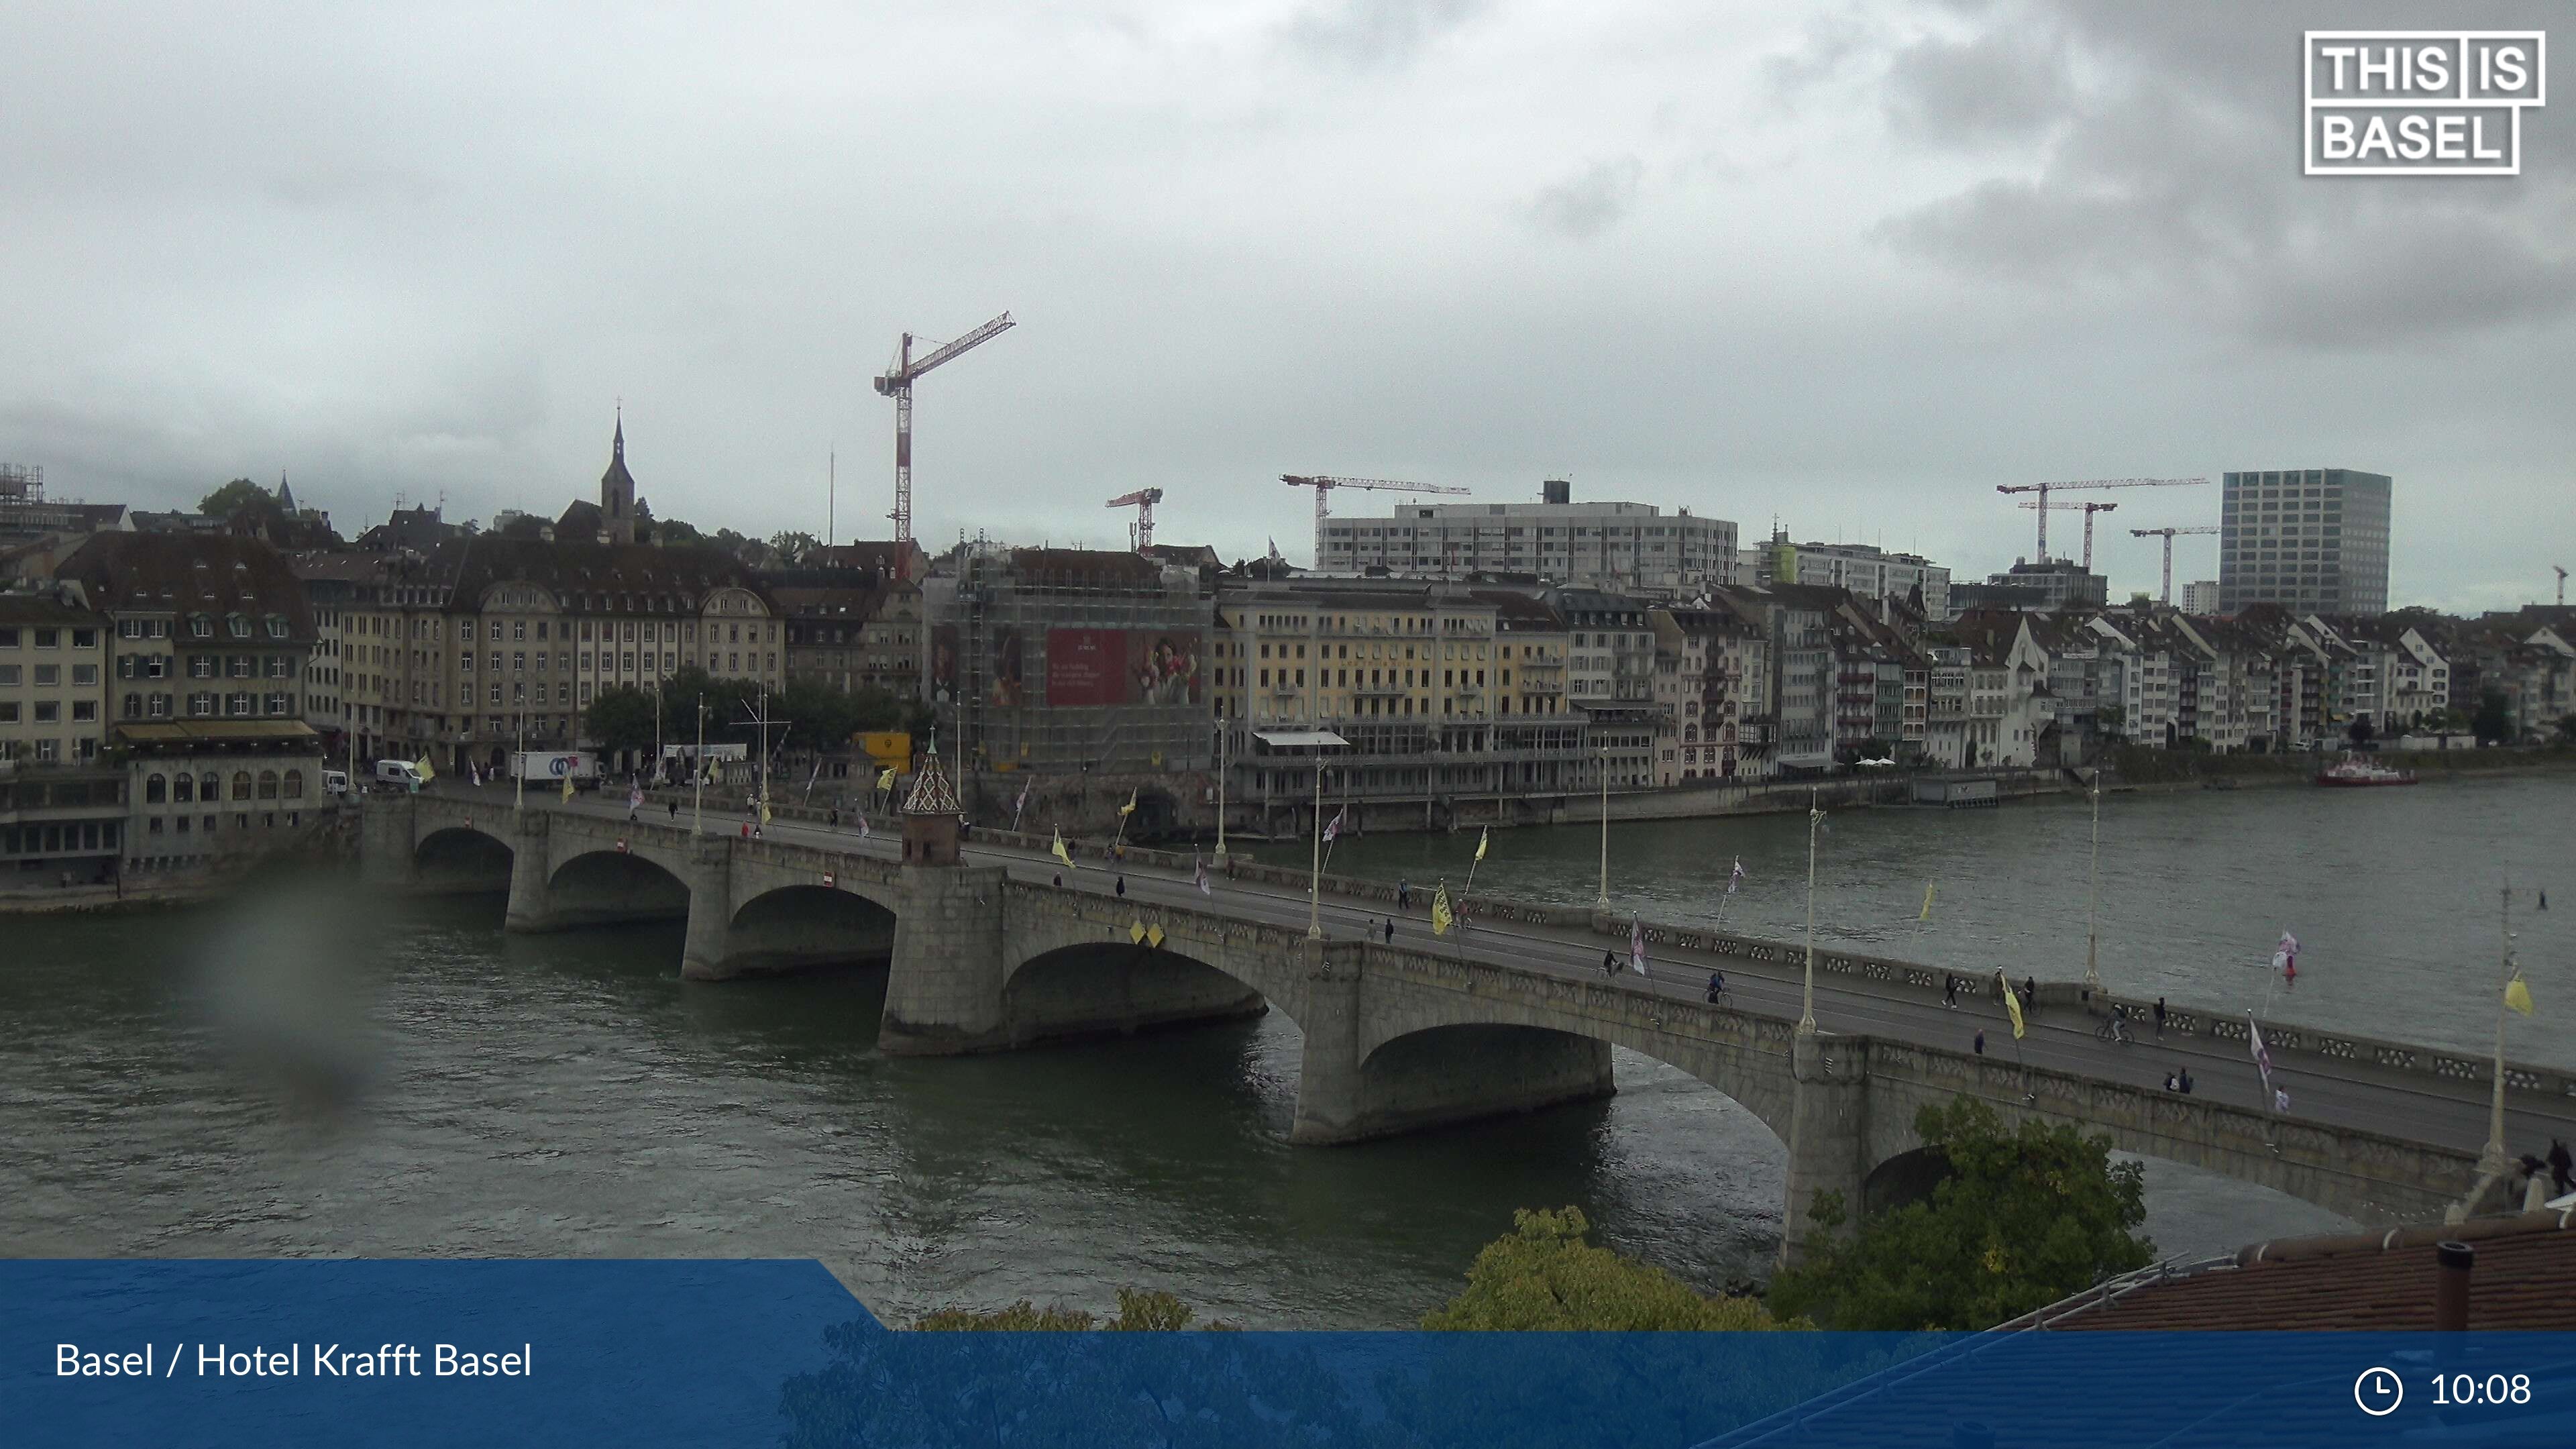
x=896 y=382
x=2089 y=510
x=2167 y=534
x=2044 y=489
x=2562 y=586
x=1323 y=485
x=1141 y=532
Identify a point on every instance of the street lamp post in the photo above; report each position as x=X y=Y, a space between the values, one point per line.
x=1601 y=897
x=1224 y=729
x=2093 y=909
x=518 y=762
x=2493 y=1160
x=1807 y=1011
x=1315 y=881
x=698 y=776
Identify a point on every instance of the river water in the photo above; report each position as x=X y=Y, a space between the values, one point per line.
x=324 y=1074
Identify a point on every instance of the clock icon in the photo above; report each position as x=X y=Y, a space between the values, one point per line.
x=2378 y=1392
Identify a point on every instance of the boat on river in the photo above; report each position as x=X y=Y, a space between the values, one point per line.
x=2353 y=770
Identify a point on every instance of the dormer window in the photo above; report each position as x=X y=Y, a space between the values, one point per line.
x=238 y=626
x=201 y=627
x=276 y=626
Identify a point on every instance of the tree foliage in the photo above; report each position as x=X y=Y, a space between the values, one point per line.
x=793 y=544
x=2567 y=730
x=2026 y=1217
x=2361 y=731
x=1545 y=1275
x=232 y=498
x=2494 y=719
x=1139 y=1311
x=620 y=719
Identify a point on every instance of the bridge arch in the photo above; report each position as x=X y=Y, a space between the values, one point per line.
x=461 y=858
x=796 y=926
x=1097 y=988
x=598 y=886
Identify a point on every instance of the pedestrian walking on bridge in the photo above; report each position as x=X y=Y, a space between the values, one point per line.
x=2562 y=1167
x=1609 y=964
x=1981 y=1041
x=1390 y=930
x=1122 y=887
x=1403 y=895
x=2160 y=1016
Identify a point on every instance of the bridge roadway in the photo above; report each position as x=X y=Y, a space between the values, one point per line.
x=987 y=953
x=2449 y=1112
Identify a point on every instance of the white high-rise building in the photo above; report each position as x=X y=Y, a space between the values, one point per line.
x=2200 y=597
x=1622 y=547
x=1874 y=573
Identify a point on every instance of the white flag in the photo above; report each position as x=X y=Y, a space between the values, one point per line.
x=1636 y=946
x=1737 y=878
x=1023 y=801
x=1335 y=828
x=2262 y=1053
x=2285 y=956
x=863 y=827
x=1199 y=873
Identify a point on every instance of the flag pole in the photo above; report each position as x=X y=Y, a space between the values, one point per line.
x=2493 y=1160
x=1315 y=881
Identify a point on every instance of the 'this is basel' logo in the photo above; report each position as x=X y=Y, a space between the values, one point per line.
x=2421 y=102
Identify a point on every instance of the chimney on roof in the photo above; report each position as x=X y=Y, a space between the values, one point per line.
x=2451 y=1286
x=1556 y=490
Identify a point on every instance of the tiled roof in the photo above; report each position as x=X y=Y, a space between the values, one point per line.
x=184 y=573
x=43 y=608
x=2525 y=1278
x=611 y=577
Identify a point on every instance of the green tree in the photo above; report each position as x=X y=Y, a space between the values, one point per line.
x=232 y=498
x=2567 y=730
x=792 y=544
x=1544 y=1275
x=2361 y=732
x=2026 y=1217
x=2494 y=719
x=673 y=532
x=620 y=719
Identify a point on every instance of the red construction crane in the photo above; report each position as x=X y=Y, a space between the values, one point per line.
x=2044 y=489
x=2089 y=510
x=896 y=382
x=2167 y=534
x=1141 y=532
x=1323 y=485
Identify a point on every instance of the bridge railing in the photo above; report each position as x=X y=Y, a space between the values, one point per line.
x=2290 y=1045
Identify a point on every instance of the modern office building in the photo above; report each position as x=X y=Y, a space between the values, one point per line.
x=1864 y=569
x=2200 y=597
x=2311 y=541
x=1624 y=547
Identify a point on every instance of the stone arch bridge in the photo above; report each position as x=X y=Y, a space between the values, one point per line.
x=1396 y=1038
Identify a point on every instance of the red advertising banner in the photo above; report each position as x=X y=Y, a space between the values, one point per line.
x=1121 y=666
x=1086 y=667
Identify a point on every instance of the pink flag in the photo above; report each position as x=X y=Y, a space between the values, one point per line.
x=1335 y=828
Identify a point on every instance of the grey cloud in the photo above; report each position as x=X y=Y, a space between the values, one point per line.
x=2176 y=170
x=1375 y=34
x=2001 y=86
x=1590 y=202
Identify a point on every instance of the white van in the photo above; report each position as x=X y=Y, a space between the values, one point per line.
x=335 y=782
x=398 y=774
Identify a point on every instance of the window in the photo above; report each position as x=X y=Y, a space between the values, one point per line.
x=276 y=626
x=237 y=704
x=238 y=626
x=201 y=627
x=201 y=703
x=183 y=788
x=518 y=630
x=156 y=789
x=294 y=784
x=48 y=711
x=241 y=784
x=268 y=784
x=201 y=666
x=48 y=674
x=210 y=787
x=133 y=706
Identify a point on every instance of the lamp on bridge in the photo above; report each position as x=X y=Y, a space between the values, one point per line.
x=931 y=815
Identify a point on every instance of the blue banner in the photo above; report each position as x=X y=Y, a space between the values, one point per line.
x=778 y=1353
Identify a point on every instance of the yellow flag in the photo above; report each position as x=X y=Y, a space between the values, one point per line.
x=1059 y=851
x=1483 y=839
x=764 y=812
x=1440 y=917
x=1927 y=903
x=1130 y=807
x=2517 y=995
x=426 y=773
x=885 y=778
x=2012 y=1005
x=567 y=789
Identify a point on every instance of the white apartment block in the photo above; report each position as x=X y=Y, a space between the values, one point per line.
x=1872 y=573
x=1623 y=547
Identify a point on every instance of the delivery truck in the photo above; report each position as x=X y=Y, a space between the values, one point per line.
x=553 y=767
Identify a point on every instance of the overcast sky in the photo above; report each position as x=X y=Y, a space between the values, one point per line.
x=1849 y=264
